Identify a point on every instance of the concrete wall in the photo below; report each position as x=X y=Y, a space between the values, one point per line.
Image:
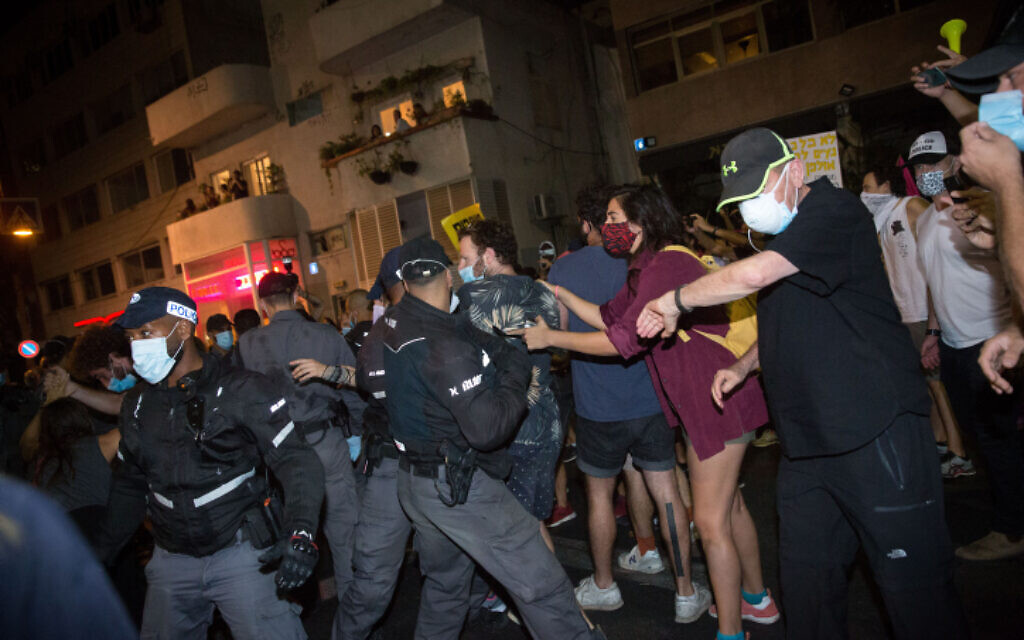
x=872 y=58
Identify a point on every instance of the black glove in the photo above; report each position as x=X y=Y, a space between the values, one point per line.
x=298 y=555
x=513 y=366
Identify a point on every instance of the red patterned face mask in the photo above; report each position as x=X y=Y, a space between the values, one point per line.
x=617 y=238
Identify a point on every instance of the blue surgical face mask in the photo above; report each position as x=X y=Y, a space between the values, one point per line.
x=151 y=360
x=120 y=385
x=467 y=275
x=765 y=214
x=225 y=339
x=1002 y=111
x=346 y=329
x=454 y=303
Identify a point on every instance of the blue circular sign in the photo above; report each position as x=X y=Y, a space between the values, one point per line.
x=28 y=348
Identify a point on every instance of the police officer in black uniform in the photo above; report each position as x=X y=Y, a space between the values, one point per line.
x=455 y=396
x=325 y=414
x=193 y=447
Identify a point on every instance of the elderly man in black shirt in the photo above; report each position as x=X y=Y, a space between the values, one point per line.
x=194 y=442
x=843 y=387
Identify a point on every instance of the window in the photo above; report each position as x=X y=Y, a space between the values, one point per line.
x=20 y=89
x=82 y=208
x=98 y=281
x=57 y=60
x=101 y=29
x=69 y=135
x=114 y=110
x=257 y=174
x=160 y=79
x=388 y=123
x=173 y=168
x=857 y=13
x=305 y=108
x=453 y=93
x=51 y=223
x=143 y=266
x=58 y=293
x=127 y=188
x=33 y=157
x=722 y=33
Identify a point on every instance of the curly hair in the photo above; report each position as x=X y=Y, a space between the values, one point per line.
x=592 y=204
x=647 y=206
x=93 y=348
x=61 y=423
x=495 y=235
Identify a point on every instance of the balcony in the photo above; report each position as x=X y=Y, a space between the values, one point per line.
x=212 y=104
x=230 y=225
x=348 y=35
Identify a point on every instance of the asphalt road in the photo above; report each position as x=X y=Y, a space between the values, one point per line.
x=993 y=593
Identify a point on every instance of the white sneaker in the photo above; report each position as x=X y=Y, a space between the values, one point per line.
x=593 y=598
x=689 y=608
x=650 y=562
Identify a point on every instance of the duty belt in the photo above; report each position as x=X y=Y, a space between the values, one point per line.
x=420 y=469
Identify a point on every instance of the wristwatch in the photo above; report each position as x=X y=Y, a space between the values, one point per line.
x=934 y=332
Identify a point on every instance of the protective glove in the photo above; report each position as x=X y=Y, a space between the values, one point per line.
x=514 y=366
x=355 y=445
x=298 y=555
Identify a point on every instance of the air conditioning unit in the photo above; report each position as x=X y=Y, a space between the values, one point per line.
x=544 y=207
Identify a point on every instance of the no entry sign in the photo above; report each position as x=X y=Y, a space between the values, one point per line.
x=28 y=348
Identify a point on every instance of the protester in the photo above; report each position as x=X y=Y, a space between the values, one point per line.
x=895 y=215
x=846 y=395
x=237 y=186
x=643 y=224
x=246 y=320
x=359 y=310
x=220 y=337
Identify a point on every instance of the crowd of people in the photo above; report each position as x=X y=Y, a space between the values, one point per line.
x=443 y=414
x=209 y=197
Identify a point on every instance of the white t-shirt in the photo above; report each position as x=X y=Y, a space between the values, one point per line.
x=906 y=277
x=967 y=286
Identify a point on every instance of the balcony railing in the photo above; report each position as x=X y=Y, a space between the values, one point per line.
x=212 y=104
x=349 y=35
x=231 y=224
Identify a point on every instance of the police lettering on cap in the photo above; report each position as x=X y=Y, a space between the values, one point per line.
x=152 y=303
x=422 y=258
x=928 y=148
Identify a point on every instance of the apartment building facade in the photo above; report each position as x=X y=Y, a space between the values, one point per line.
x=697 y=72
x=503 y=105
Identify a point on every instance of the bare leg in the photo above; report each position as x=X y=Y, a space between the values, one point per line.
x=716 y=502
x=641 y=509
x=601 y=523
x=664 y=490
x=941 y=406
x=544 y=533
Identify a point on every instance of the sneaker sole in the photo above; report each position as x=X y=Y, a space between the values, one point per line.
x=750 y=618
x=571 y=516
x=690 y=619
x=601 y=607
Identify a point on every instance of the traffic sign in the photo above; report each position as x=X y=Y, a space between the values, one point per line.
x=28 y=348
x=20 y=216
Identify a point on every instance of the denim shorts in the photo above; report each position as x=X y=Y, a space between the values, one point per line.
x=601 y=447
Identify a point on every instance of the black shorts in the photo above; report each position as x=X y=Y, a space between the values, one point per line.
x=601 y=447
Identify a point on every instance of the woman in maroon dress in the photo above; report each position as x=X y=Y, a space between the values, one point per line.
x=644 y=225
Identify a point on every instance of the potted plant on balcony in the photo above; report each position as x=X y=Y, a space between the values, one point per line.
x=275 y=178
x=398 y=162
x=373 y=170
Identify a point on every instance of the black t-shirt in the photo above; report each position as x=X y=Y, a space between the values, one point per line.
x=838 y=363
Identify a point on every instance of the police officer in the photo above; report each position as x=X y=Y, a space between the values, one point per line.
x=193 y=446
x=323 y=413
x=455 y=396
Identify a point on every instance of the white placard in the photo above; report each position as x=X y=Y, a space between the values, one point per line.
x=820 y=153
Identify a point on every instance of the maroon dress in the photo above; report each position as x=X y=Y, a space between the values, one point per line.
x=682 y=371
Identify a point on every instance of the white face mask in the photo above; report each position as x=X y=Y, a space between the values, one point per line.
x=877 y=203
x=454 y=303
x=765 y=214
x=150 y=359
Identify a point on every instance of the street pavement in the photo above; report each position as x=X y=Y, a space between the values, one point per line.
x=993 y=593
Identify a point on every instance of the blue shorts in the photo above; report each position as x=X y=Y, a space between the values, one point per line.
x=601 y=447
x=532 y=480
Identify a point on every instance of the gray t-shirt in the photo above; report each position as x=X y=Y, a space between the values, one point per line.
x=90 y=484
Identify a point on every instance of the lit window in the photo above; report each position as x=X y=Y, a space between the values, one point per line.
x=454 y=94
x=257 y=173
x=389 y=124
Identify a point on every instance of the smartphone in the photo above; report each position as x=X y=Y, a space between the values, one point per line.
x=503 y=331
x=958 y=182
x=933 y=77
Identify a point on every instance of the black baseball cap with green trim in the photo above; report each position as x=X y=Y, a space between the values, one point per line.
x=746 y=161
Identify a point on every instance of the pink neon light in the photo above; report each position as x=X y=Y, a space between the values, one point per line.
x=243 y=282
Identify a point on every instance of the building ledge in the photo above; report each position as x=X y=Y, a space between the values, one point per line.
x=231 y=224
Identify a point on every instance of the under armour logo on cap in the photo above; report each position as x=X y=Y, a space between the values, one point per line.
x=726 y=168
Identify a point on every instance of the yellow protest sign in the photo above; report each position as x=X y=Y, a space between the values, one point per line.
x=820 y=153
x=460 y=220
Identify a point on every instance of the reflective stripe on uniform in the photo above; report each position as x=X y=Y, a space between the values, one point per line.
x=399 y=446
x=283 y=433
x=163 y=500
x=380 y=394
x=224 y=489
x=120 y=456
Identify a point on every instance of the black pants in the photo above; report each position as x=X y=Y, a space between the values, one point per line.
x=886 y=497
x=991 y=419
